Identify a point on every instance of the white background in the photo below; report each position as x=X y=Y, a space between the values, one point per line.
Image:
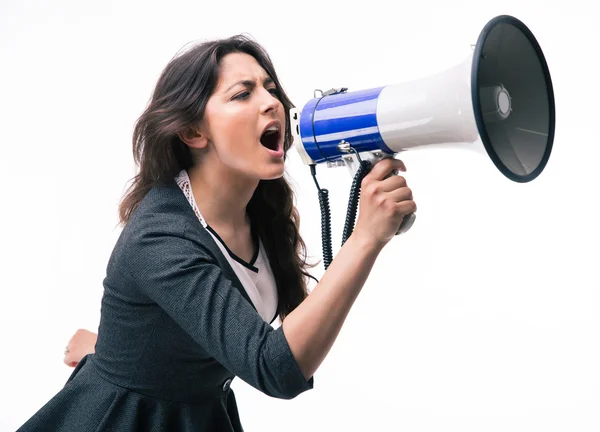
x=484 y=317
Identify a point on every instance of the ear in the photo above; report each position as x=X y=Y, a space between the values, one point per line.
x=193 y=138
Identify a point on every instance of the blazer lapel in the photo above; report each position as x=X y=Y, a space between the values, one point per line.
x=228 y=272
x=184 y=207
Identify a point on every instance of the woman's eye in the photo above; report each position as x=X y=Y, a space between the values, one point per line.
x=276 y=93
x=242 y=96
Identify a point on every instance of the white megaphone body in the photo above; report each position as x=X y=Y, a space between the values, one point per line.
x=500 y=94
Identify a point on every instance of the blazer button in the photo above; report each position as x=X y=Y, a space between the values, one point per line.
x=227 y=385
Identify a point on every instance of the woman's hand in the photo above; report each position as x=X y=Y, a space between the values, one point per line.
x=82 y=343
x=385 y=200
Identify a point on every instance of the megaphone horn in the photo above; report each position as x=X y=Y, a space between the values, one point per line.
x=501 y=94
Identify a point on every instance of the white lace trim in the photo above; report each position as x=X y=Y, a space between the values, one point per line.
x=184 y=183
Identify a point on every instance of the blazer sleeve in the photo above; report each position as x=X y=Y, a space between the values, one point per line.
x=185 y=280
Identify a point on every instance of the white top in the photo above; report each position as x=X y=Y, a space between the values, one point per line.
x=256 y=276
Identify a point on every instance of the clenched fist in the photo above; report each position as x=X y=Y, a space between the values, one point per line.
x=82 y=343
x=385 y=199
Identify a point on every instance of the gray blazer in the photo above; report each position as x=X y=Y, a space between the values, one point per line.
x=176 y=327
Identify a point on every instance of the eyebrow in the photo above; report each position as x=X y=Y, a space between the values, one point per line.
x=250 y=84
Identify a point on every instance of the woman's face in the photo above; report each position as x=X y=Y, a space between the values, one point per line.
x=244 y=121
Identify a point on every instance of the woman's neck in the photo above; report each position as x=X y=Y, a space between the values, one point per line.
x=221 y=196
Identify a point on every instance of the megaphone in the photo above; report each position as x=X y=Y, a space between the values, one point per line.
x=500 y=94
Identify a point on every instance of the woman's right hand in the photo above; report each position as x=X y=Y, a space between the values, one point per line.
x=385 y=199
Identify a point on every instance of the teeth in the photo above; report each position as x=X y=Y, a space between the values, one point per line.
x=273 y=129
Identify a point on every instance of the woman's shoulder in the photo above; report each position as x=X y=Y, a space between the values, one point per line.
x=164 y=200
x=163 y=220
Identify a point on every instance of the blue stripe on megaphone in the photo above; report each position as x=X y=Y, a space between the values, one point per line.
x=351 y=117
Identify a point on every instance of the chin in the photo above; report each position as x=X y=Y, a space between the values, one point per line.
x=273 y=173
x=273 y=176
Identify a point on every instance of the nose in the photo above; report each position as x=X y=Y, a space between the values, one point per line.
x=269 y=102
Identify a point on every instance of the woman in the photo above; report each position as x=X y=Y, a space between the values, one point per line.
x=210 y=254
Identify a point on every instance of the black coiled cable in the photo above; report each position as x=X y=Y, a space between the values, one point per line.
x=325 y=220
x=353 y=200
x=363 y=170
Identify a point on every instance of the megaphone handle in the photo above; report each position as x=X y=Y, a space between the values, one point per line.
x=373 y=158
x=406 y=223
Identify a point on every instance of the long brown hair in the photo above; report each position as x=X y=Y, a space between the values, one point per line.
x=178 y=102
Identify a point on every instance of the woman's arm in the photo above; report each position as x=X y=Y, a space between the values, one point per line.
x=182 y=271
x=82 y=343
x=312 y=328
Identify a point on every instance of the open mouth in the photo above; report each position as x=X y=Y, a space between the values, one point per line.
x=270 y=138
